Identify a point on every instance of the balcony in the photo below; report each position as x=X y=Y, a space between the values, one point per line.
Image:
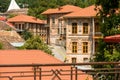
x=98 y=35
x=66 y=71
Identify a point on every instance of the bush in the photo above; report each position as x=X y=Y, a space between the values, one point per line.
x=1 y=45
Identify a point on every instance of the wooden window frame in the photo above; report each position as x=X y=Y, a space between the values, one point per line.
x=85 y=28
x=53 y=20
x=85 y=47
x=74 y=47
x=74 y=28
x=97 y=27
x=74 y=60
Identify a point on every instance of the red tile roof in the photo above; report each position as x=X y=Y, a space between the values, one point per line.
x=62 y=9
x=26 y=57
x=86 y=12
x=2 y=18
x=26 y=18
x=10 y=25
x=33 y=57
x=112 y=38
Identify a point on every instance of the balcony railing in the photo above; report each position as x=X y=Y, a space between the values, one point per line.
x=65 y=71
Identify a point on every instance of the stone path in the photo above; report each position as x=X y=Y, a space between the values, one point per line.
x=59 y=52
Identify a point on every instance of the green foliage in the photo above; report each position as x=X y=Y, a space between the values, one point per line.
x=111 y=25
x=39 y=6
x=108 y=6
x=84 y=3
x=108 y=52
x=4 y=5
x=36 y=43
x=11 y=15
x=26 y=35
x=1 y=45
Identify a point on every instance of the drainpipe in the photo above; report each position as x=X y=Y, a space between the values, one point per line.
x=93 y=41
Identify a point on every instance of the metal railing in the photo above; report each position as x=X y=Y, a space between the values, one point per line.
x=63 y=71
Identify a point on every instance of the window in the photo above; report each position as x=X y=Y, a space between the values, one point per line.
x=19 y=26
x=64 y=30
x=96 y=46
x=23 y=26
x=74 y=47
x=58 y=31
x=85 y=28
x=53 y=20
x=85 y=60
x=97 y=27
x=73 y=60
x=74 y=28
x=59 y=27
x=48 y=20
x=85 y=47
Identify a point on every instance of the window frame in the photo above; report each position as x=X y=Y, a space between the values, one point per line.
x=53 y=20
x=85 y=28
x=84 y=47
x=74 y=60
x=74 y=28
x=97 y=27
x=74 y=47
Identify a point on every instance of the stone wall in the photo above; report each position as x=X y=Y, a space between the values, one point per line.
x=11 y=36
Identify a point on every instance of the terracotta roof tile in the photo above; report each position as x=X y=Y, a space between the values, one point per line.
x=2 y=18
x=62 y=9
x=26 y=57
x=26 y=18
x=86 y=12
x=10 y=25
x=34 y=57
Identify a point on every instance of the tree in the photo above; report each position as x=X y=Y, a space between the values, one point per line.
x=1 y=45
x=39 y=6
x=109 y=26
x=4 y=5
x=109 y=23
x=36 y=43
x=26 y=35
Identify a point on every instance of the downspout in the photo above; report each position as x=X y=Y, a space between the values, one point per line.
x=93 y=34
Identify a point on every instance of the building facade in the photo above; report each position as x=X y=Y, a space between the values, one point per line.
x=34 y=25
x=80 y=39
x=82 y=35
x=80 y=28
x=56 y=23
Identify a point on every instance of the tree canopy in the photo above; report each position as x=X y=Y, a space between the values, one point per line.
x=36 y=43
x=4 y=5
x=38 y=6
x=110 y=25
x=1 y=45
x=26 y=34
